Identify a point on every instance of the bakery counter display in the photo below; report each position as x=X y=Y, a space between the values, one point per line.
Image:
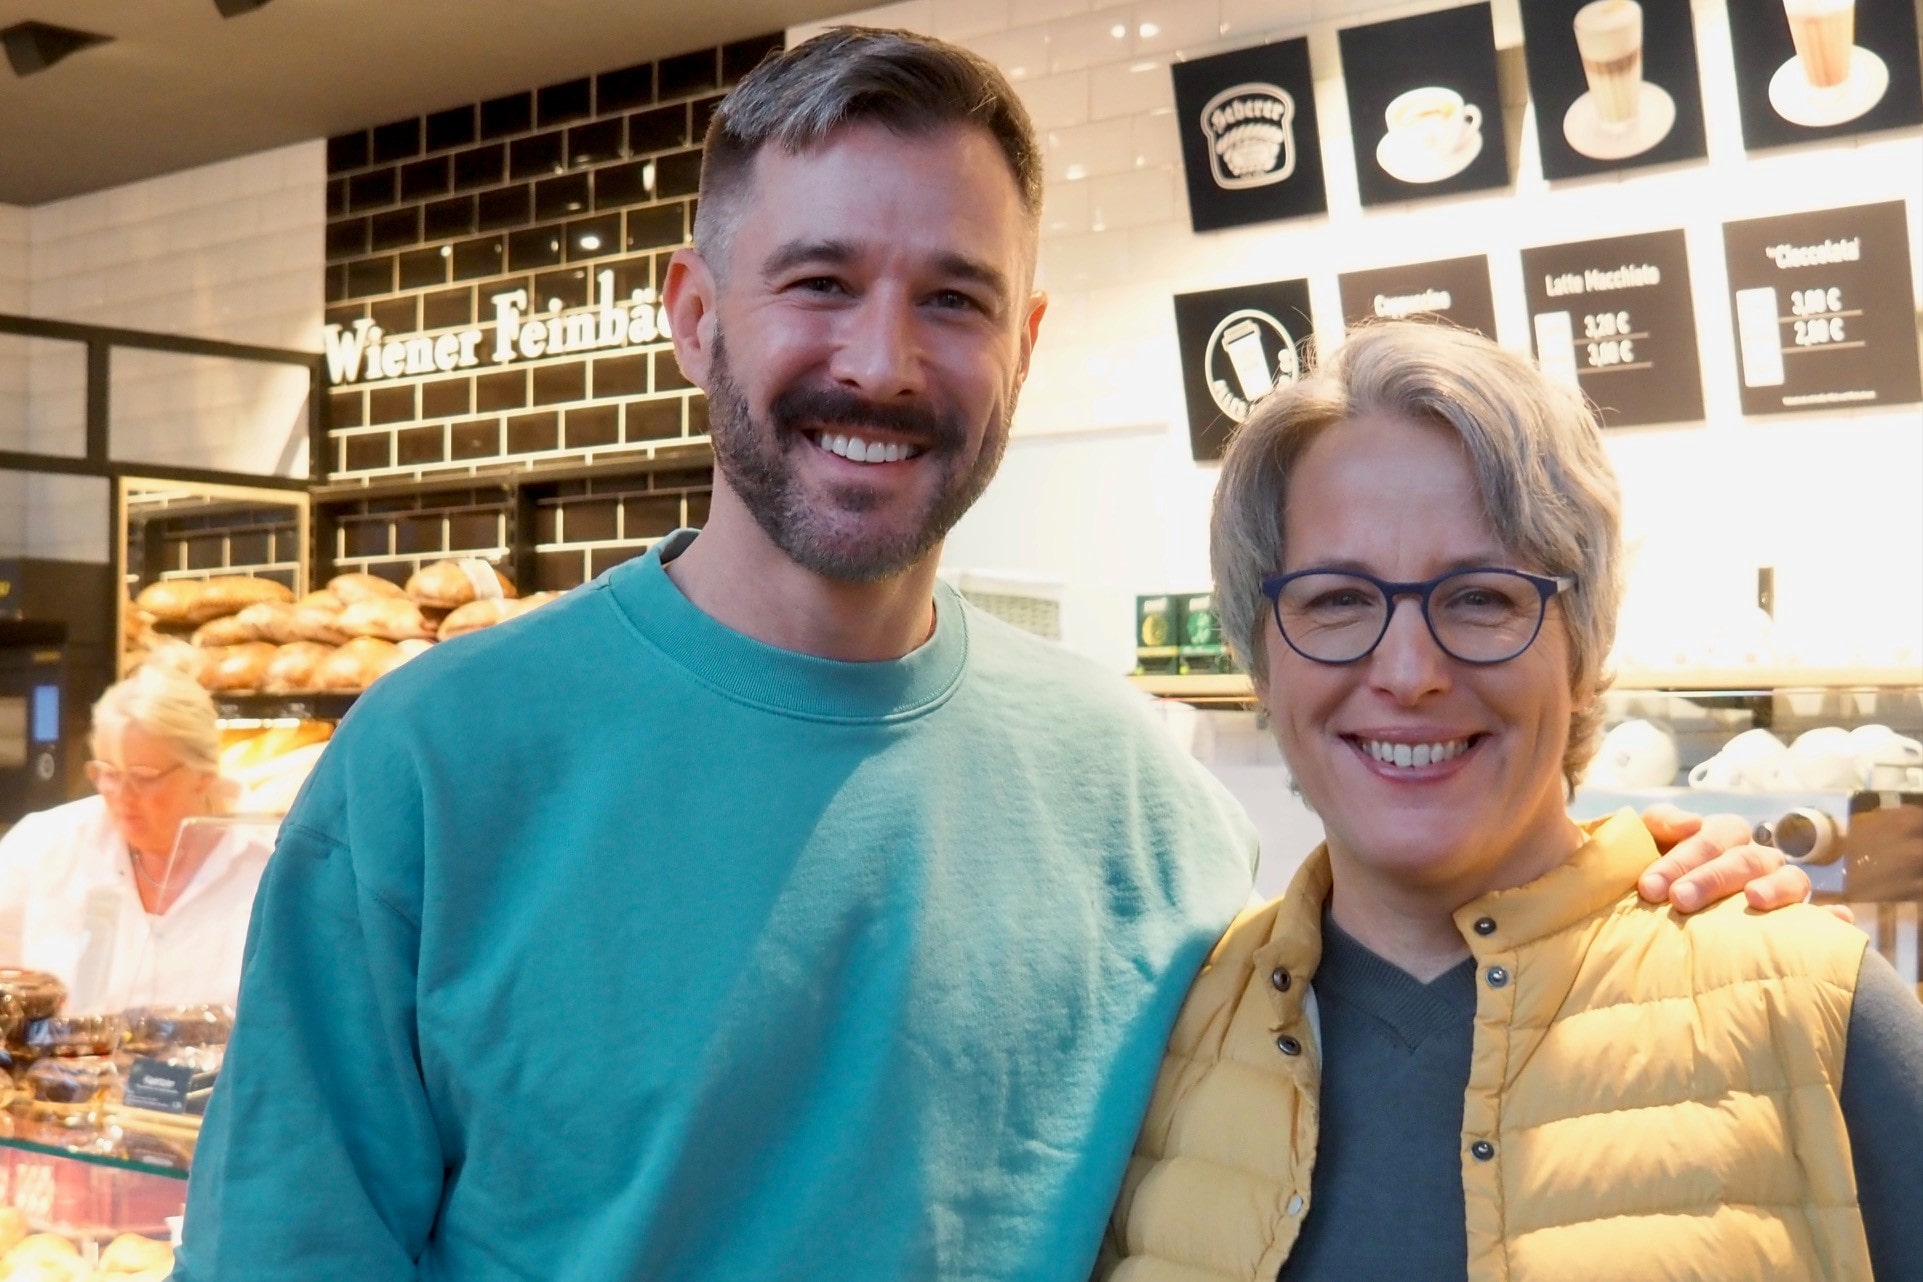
x=97 y=1129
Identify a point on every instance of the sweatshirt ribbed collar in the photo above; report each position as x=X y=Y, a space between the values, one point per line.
x=782 y=681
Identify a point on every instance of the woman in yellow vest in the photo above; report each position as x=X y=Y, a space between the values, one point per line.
x=1536 y=1076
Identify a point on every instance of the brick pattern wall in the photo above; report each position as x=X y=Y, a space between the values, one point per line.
x=193 y=538
x=429 y=218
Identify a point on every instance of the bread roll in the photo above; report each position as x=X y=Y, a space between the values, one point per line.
x=322 y=599
x=447 y=585
x=352 y=589
x=317 y=623
x=357 y=665
x=177 y=602
x=294 y=667
x=270 y=621
x=395 y=620
x=225 y=631
x=130 y=1253
x=240 y=667
x=232 y=593
x=476 y=615
x=413 y=647
x=13 y=1228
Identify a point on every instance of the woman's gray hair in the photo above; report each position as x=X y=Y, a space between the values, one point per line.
x=1545 y=483
x=162 y=699
x=797 y=99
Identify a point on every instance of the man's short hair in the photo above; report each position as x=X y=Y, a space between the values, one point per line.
x=1546 y=484
x=907 y=83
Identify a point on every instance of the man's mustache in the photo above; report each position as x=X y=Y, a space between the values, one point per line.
x=818 y=408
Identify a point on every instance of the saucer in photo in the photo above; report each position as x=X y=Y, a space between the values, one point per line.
x=1406 y=160
x=1583 y=126
x=1800 y=103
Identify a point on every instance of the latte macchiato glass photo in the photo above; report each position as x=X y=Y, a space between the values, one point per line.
x=1609 y=35
x=1824 y=32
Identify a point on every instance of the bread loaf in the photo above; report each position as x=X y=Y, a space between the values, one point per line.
x=232 y=593
x=176 y=602
x=356 y=665
x=316 y=623
x=447 y=585
x=350 y=589
x=321 y=599
x=240 y=667
x=132 y=1254
x=270 y=621
x=228 y=630
x=294 y=668
x=395 y=620
x=476 y=615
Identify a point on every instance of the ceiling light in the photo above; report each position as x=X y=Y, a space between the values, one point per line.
x=1149 y=31
x=35 y=46
x=235 y=8
x=590 y=241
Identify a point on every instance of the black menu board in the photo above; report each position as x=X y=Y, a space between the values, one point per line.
x=1824 y=314
x=1614 y=83
x=1455 y=290
x=1425 y=108
x=1238 y=345
x=1616 y=318
x=1250 y=145
x=1813 y=69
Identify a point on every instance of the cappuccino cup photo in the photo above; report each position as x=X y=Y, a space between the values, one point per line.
x=1609 y=36
x=1433 y=118
x=1824 y=32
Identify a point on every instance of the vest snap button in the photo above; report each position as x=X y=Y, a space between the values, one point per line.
x=1281 y=979
x=1295 y=1205
x=1485 y=925
x=1483 y=1150
x=1496 y=976
x=1288 y=1045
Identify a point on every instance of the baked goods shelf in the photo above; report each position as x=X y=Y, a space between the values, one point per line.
x=89 y=1158
x=232 y=708
x=1235 y=689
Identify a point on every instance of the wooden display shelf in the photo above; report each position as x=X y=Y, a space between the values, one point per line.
x=1235 y=688
x=282 y=707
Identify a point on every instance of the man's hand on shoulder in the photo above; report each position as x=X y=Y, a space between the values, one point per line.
x=1706 y=860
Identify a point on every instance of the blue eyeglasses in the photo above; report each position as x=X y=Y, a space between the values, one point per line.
x=1482 y=616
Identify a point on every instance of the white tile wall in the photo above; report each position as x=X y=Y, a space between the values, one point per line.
x=13 y=351
x=1098 y=488
x=232 y=251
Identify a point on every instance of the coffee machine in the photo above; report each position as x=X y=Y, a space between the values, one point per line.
x=34 y=686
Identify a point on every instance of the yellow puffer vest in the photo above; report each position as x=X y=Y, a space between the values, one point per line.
x=1652 y=1096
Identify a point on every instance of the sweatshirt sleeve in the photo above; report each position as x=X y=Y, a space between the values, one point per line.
x=319 y=1159
x=1882 y=1099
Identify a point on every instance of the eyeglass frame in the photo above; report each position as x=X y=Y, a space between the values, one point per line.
x=1549 y=586
x=139 y=786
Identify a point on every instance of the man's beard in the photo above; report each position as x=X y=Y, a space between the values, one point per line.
x=757 y=459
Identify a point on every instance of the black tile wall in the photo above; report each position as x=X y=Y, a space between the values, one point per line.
x=429 y=219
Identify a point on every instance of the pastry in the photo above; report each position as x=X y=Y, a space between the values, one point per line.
x=356 y=665
x=447 y=585
x=241 y=667
x=396 y=620
x=294 y=667
x=224 y=631
x=32 y=994
x=353 y=588
x=150 y=1030
x=67 y=1036
x=13 y=1228
x=66 y=1092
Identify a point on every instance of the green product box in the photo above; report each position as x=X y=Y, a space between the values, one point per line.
x=1202 y=648
x=1158 y=634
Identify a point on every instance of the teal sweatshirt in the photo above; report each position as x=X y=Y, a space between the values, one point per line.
x=610 y=945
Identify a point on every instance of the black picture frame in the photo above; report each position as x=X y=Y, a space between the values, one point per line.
x=1228 y=337
x=1767 y=83
x=1231 y=109
x=1831 y=288
x=1454 y=291
x=1387 y=64
x=1576 y=137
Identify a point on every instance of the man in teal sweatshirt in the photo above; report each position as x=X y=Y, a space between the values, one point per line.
x=760 y=911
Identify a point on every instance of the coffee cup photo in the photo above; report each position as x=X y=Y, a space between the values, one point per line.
x=1433 y=134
